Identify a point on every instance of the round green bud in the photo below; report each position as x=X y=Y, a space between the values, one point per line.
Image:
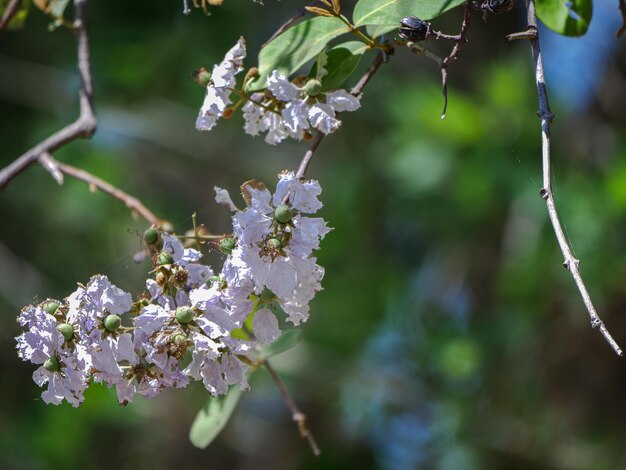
x=165 y=257
x=184 y=314
x=51 y=307
x=66 y=330
x=212 y=279
x=180 y=339
x=313 y=87
x=274 y=243
x=283 y=214
x=227 y=245
x=112 y=323
x=151 y=236
x=52 y=364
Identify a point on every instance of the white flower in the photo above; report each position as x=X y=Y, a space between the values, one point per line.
x=218 y=92
x=281 y=87
x=265 y=326
x=322 y=117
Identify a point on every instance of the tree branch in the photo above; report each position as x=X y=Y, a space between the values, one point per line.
x=622 y=10
x=12 y=8
x=84 y=126
x=546 y=116
x=296 y=414
x=94 y=183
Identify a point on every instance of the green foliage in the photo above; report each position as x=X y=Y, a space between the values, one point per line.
x=570 y=18
x=288 y=339
x=386 y=14
x=341 y=61
x=212 y=418
x=296 y=46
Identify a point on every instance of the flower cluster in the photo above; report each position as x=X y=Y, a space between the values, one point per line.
x=285 y=109
x=190 y=324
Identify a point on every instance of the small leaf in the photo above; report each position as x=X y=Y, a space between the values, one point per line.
x=286 y=341
x=570 y=18
x=318 y=11
x=212 y=418
x=296 y=46
x=341 y=61
x=390 y=12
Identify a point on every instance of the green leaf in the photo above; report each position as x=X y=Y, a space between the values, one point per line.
x=570 y=18
x=296 y=46
x=286 y=341
x=17 y=22
x=386 y=14
x=341 y=61
x=57 y=8
x=212 y=418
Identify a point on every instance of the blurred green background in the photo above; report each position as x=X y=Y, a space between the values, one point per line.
x=448 y=335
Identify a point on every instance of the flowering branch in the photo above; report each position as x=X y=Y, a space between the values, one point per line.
x=546 y=116
x=296 y=414
x=10 y=11
x=84 y=126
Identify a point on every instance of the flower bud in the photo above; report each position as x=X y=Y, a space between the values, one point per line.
x=184 y=314
x=151 y=236
x=228 y=113
x=51 y=307
x=179 y=339
x=112 y=323
x=160 y=279
x=313 y=87
x=274 y=243
x=52 y=364
x=165 y=257
x=283 y=214
x=201 y=76
x=66 y=330
x=227 y=245
x=212 y=279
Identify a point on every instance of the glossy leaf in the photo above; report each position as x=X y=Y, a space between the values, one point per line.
x=212 y=418
x=341 y=61
x=570 y=18
x=386 y=14
x=296 y=46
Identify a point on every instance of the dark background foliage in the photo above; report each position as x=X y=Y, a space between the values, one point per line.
x=448 y=335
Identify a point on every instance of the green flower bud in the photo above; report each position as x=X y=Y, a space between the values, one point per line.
x=313 y=87
x=227 y=245
x=66 y=330
x=201 y=76
x=51 y=307
x=151 y=236
x=165 y=257
x=283 y=214
x=52 y=364
x=184 y=314
x=180 y=339
x=274 y=243
x=112 y=323
x=212 y=279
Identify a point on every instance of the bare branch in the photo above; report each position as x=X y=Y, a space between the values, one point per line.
x=546 y=116
x=51 y=166
x=12 y=8
x=622 y=10
x=454 y=54
x=95 y=183
x=296 y=414
x=84 y=126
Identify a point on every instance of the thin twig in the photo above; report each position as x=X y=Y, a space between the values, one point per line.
x=12 y=8
x=94 y=183
x=622 y=10
x=84 y=126
x=296 y=414
x=51 y=166
x=454 y=54
x=546 y=116
x=356 y=91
